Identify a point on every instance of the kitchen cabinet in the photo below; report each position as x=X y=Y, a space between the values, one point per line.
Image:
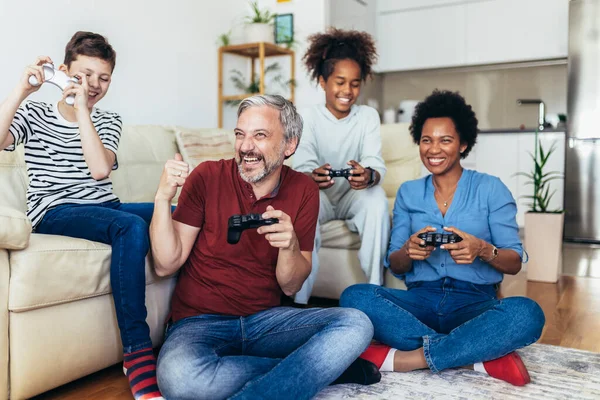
x=516 y=30
x=435 y=34
x=427 y=38
x=506 y=154
x=387 y=6
x=355 y=15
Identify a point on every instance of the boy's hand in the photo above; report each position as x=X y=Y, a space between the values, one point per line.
x=36 y=70
x=282 y=234
x=324 y=182
x=362 y=180
x=80 y=90
x=174 y=175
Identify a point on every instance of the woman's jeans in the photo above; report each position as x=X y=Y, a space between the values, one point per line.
x=125 y=228
x=456 y=323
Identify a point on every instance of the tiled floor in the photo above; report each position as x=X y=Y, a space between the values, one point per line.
x=581 y=260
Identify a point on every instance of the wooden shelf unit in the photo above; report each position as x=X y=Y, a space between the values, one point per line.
x=253 y=51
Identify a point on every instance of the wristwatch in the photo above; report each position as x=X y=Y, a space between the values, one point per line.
x=494 y=255
x=373 y=176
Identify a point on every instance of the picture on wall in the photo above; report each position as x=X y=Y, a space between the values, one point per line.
x=284 y=28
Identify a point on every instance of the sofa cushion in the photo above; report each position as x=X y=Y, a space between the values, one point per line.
x=199 y=145
x=335 y=234
x=57 y=269
x=15 y=229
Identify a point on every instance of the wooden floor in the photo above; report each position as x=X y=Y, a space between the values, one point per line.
x=572 y=309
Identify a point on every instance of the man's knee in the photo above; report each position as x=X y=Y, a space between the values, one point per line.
x=358 y=324
x=182 y=376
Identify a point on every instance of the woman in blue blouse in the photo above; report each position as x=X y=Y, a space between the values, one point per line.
x=450 y=316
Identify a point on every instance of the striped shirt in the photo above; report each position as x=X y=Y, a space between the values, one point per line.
x=57 y=171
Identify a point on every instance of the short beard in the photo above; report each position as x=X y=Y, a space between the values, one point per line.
x=267 y=170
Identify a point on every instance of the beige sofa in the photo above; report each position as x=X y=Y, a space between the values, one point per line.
x=57 y=321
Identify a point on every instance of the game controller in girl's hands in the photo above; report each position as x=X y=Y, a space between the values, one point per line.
x=56 y=77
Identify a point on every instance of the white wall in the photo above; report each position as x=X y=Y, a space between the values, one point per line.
x=166 y=69
x=310 y=16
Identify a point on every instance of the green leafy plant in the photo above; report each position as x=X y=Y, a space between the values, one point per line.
x=240 y=82
x=291 y=43
x=224 y=39
x=259 y=16
x=540 y=179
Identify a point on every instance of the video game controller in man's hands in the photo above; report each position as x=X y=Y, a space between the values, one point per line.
x=438 y=239
x=56 y=77
x=238 y=223
x=336 y=173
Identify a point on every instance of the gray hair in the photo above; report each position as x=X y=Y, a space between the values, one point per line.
x=289 y=118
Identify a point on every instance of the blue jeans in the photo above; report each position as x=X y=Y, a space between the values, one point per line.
x=457 y=323
x=280 y=353
x=125 y=228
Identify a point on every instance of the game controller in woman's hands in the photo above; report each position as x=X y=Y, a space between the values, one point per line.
x=438 y=239
x=56 y=77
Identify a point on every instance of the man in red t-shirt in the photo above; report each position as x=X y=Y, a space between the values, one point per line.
x=228 y=335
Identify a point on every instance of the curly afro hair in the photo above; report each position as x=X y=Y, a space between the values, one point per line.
x=325 y=49
x=444 y=103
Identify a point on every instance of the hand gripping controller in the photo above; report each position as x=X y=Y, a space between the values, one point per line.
x=438 y=239
x=56 y=77
x=238 y=223
x=336 y=173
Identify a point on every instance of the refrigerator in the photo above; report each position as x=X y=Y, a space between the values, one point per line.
x=582 y=169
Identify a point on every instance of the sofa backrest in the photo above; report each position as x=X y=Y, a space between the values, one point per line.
x=144 y=149
x=401 y=158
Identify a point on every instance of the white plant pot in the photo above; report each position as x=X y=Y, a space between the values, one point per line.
x=255 y=33
x=543 y=243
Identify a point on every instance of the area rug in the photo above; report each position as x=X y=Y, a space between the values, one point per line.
x=556 y=373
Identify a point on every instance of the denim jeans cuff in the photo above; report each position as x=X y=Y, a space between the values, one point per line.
x=131 y=349
x=427 y=351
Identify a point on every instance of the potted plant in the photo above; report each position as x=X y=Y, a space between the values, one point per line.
x=224 y=39
x=239 y=81
x=543 y=227
x=259 y=25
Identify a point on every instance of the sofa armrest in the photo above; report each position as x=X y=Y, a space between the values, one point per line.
x=15 y=229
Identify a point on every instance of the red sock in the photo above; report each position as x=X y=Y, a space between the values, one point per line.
x=509 y=368
x=140 y=368
x=376 y=353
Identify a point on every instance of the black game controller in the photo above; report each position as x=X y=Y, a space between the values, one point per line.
x=344 y=173
x=238 y=223
x=438 y=239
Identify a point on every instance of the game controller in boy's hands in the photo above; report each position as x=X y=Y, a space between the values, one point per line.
x=238 y=223
x=335 y=173
x=438 y=239
x=57 y=78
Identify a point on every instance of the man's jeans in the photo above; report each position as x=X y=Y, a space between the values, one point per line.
x=281 y=353
x=125 y=228
x=457 y=323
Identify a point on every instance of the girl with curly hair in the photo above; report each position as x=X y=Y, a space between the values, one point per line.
x=342 y=135
x=450 y=316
